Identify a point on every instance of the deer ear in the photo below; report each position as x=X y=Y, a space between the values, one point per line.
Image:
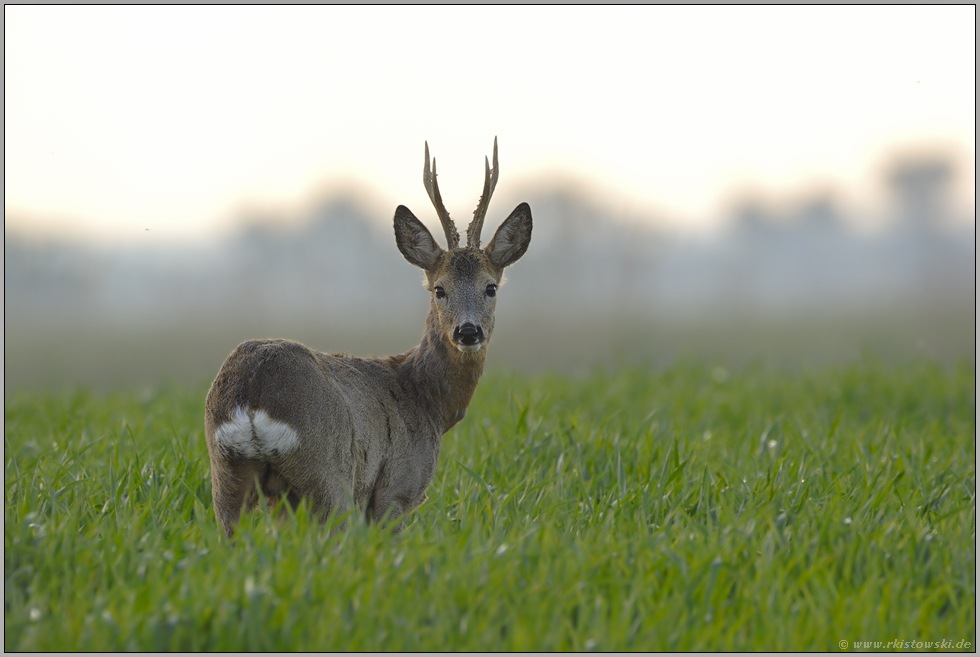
x=512 y=238
x=414 y=240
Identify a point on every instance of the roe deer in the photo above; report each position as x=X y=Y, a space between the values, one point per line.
x=286 y=420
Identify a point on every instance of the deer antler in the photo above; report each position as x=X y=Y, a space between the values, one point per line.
x=432 y=187
x=476 y=226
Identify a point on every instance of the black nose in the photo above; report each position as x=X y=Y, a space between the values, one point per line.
x=468 y=333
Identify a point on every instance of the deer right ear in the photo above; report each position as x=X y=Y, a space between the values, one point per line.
x=414 y=240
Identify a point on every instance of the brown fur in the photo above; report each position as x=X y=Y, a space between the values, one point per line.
x=369 y=429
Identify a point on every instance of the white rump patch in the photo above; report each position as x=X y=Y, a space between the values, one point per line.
x=274 y=435
x=236 y=433
x=256 y=436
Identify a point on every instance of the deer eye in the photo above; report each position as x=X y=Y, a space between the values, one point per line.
x=491 y=290
x=440 y=293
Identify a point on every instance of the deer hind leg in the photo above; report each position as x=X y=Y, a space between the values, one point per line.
x=233 y=489
x=322 y=470
x=326 y=493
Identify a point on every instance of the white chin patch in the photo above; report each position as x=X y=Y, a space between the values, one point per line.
x=469 y=347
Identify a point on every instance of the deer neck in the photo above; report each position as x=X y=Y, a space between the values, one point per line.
x=444 y=377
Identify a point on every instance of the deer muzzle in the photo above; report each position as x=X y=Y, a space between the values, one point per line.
x=468 y=337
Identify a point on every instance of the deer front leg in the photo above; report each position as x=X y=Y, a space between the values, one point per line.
x=391 y=500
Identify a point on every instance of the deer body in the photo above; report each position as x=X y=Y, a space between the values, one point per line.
x=292 y=422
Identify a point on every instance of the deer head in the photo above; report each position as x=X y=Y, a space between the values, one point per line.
x=463 y=280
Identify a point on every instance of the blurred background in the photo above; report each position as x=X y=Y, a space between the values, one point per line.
x=791 y=185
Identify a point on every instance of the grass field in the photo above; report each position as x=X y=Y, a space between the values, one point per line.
x=689 y=509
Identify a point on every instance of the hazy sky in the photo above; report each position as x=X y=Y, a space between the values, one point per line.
x=119 y=119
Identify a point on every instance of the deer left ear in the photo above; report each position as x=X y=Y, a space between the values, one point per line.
x=511 y=240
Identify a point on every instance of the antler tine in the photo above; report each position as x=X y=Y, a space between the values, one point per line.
x=432 y=188
x=490 y=181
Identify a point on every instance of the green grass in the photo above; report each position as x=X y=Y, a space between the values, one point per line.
x=692 y=509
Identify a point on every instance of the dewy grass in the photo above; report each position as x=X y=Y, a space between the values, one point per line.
x=693 y=509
